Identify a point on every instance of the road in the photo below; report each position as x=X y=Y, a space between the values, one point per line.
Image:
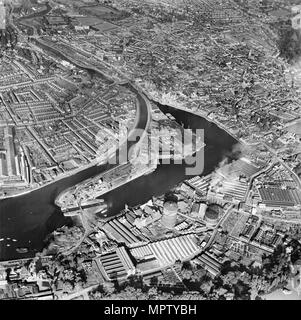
x=83 y=293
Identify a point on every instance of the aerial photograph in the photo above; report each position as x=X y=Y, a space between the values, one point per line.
x=150 y=150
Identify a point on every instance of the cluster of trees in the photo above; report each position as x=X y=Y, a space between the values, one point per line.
x=147 y=293
x=65 y=272
x=296 y=231
x=240 y=282
x=63 y=239
x=235 y=282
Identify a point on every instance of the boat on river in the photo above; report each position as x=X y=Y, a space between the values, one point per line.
x=22 y=250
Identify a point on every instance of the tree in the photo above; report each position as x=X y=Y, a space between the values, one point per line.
x=206 y=286
x=152 y=293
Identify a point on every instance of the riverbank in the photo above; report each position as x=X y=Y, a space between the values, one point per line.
x=203 y=115
x=60 y=200
x=62 y=176
x=143 y=105
x=137 y=88
x=31 y=217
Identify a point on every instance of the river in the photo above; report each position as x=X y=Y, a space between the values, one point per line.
x=218 y=145
x=31 y=217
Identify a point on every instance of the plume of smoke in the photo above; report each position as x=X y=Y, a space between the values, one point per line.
x=228 y=157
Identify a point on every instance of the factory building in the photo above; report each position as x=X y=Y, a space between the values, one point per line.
x=167 y=251
x=115 y=264
x=3 y=165
x=10 y=151
x=125 y=232
x=198 y=210
x=12 y=163
x=278 y=198
x=201 y=185
x=209 y=263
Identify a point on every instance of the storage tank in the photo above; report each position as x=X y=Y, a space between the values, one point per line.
x=169 y=215
x=211 y=217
